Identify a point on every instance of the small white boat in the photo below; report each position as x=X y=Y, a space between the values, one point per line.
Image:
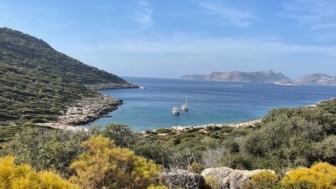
x=185 y=107
x=143 y=88
x=175 y=111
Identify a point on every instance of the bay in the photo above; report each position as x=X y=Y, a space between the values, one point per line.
x=208 y=101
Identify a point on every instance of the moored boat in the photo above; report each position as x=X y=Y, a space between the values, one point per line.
x=175 y=111
x=185 y=107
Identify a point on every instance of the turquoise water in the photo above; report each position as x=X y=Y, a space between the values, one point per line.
x=208 y=101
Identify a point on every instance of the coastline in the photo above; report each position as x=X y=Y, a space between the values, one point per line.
x=74 y=117
x=88 y=110
x=234 y=125
x=55 y=125
x=76 y=128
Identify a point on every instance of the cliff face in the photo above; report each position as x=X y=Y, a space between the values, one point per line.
x=316 y=79
x=258 y=77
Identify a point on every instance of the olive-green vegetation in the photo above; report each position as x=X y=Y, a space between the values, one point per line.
x=286 y=137
x=46 y=149
x=90 y=159
x=37 y=82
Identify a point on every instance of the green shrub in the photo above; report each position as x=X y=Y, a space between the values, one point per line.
x=163 y=130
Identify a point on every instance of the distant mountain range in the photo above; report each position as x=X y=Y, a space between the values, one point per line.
x=265 y=77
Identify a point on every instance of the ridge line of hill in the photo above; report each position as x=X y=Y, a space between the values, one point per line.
x=39 y=84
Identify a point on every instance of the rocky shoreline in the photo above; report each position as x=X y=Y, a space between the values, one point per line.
x=88 y=110
x=235 y=125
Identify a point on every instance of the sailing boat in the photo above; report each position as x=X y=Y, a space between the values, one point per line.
x=185 y=106
x=175 y=111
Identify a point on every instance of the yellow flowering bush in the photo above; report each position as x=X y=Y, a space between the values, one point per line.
x=263 y=179
x=24 y=177
x=105 y=165
x=320 y=175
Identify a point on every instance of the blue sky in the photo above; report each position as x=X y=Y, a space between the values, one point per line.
x=170 y=38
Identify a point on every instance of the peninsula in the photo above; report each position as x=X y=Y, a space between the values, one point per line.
x=39 y=84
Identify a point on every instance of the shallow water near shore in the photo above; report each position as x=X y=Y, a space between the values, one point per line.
x=209 y=102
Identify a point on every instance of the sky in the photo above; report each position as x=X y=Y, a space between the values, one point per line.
x=170 y=38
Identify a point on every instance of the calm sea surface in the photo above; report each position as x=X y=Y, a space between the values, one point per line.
x=208 y=101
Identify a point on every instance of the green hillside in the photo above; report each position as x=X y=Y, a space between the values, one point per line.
x=37 y=82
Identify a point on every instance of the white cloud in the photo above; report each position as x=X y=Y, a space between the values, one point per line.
x=315 y=14
x=241 y=48
x=144 y=14
x=228 y=15
x=183 y=53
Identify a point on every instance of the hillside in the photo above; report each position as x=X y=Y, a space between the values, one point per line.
x=37 y=82
x=316 y=79
x=257 y=77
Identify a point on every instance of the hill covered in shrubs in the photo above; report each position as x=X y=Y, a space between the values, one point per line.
x=38 y=82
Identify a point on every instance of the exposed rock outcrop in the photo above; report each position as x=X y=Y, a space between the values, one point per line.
x=183 y=178
x=220 y=174
x=88 y=110
x=230 y=178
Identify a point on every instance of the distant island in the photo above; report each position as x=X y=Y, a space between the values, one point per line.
x=316 y=79
x=264 y=77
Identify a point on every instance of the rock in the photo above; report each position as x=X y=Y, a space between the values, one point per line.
x=220 y=174
x=183 y=178
x=88 y=110
x=238 y=177
x=229 y=178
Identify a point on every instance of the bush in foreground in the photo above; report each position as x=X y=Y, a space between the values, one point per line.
x=46 y=149
x=105 y=165
x=24 y=177
x=321 y=175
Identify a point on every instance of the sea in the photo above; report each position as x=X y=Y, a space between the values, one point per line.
x=210 y=102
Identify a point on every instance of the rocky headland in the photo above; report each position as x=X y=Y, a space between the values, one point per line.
x=88 y=110
x=37 y=82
